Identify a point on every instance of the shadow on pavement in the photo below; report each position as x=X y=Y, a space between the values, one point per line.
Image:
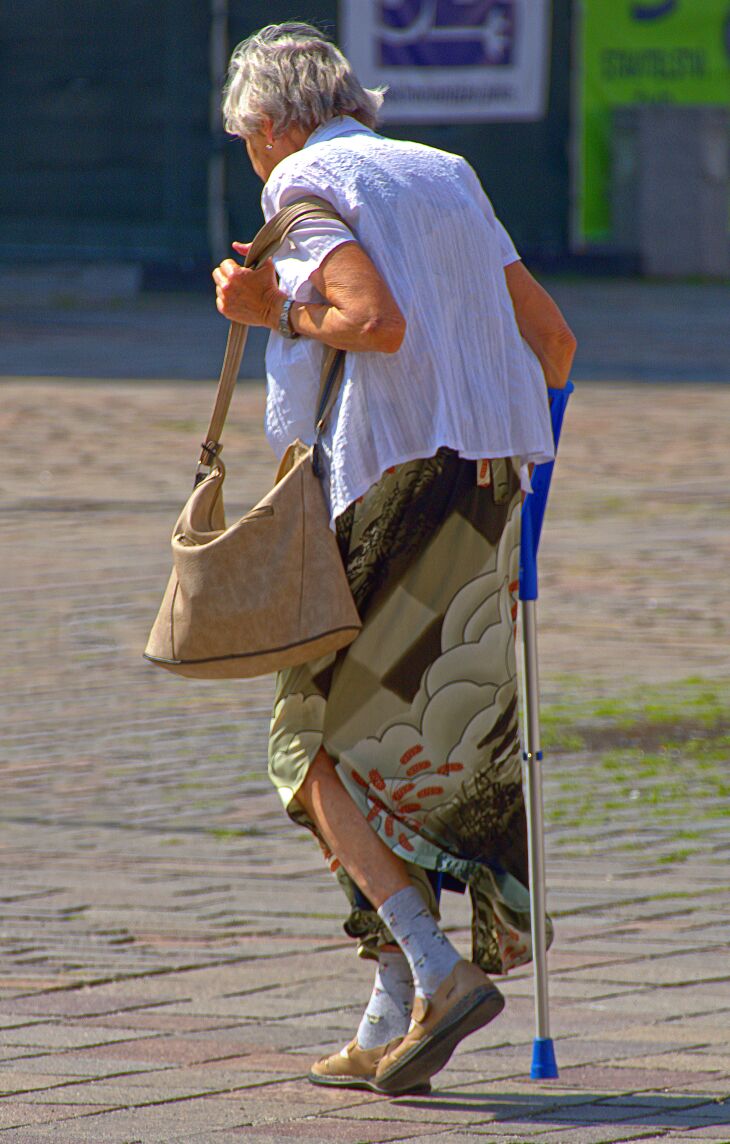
x=651 y=1109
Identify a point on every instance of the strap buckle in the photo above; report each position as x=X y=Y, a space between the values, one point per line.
x=208 y=458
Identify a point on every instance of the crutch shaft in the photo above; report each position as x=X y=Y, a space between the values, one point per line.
x=532 y=755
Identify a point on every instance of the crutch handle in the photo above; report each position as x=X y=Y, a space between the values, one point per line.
x=533 y=509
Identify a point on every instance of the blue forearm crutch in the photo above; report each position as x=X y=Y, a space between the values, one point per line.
x=533 y=511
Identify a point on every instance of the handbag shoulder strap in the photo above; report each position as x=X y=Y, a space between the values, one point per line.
x=267 y=242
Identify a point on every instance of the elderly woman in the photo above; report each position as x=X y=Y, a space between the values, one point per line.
x=401 y=752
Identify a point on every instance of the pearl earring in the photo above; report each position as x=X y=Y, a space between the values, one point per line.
x=269 y=147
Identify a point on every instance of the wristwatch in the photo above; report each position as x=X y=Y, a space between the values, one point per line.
x=285 y=327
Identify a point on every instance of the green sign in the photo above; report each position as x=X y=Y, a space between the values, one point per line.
x=631 y=52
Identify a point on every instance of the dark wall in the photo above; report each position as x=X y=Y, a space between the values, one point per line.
x=105 y=139
x=104 y=120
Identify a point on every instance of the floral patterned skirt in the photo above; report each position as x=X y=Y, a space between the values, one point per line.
x=420 y=712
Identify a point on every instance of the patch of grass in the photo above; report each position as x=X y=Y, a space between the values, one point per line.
x=709 y=751
x=692 y=709
x=556 y=737
x=232 y=834
x=674 y=856
x=626 y=763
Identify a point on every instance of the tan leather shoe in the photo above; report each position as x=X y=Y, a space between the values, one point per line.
x=464 y=1002
x=354 y=1067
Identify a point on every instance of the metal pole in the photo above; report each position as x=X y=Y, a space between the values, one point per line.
x=218 y=237
x=543 y=1058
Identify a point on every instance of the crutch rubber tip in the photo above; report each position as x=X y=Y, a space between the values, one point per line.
x=544 y=1065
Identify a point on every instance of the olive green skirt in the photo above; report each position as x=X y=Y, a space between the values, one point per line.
x=420 y=712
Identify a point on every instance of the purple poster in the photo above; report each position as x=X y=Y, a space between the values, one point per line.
x=451 y=60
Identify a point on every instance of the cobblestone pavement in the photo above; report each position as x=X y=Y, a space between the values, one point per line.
x=171 y=953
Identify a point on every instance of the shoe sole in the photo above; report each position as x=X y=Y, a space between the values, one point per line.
x=421 y=1089
x=431 y=1054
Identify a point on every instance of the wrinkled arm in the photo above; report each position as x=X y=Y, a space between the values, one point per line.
x=541 y=324
x=359 y=311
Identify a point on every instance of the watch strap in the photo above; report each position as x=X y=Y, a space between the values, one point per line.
x=285 y=327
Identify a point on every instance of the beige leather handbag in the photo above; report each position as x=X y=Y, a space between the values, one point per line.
x=270 y=591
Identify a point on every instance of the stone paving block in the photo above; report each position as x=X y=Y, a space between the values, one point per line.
x=588 y=1019
x=164 y=1049
x=13 y=1053
x=662 y=1004
x=593 y=1134
x=230 y=1077
x=703 y=1104
x=291 y=1006
x=669 y=970
x=67 y=1036
x=686 y=1062
x=463 y=1106
x=663 y=1113
x=169 y=1122
x=14 y=983
x=614 y=1078
x=432 y=1110
x=531 y=1093
x=713 y=1056
x=321 y=1132
x=15 y=1081
x=269 y=1068
x=445 y=1135
x=672 y=1033
x=306 y=1035
x=72 y=1064
x=159 y=1087
x=144 y=1022
x=717 y=1086
x=90 y=1000
x=456 y=1136
x=19 y=1114
x=264 y=1061
x=716 y=1110
x=501 y=1062
x=694 y=1129
x=17 y=1021
x=467 y=1136
x=264 y=1134
x=609 y=1119
x=109 y=1093
x=522 y=1129
x=573 y=989
x=297 y=1097
x=674 y=1138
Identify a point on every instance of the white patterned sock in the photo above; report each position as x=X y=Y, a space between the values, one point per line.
x=388 y=1012
x=430 y=954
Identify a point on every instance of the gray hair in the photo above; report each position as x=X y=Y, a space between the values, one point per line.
x=293 y=75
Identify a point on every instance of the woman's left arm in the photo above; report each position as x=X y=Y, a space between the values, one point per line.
x=358 y=313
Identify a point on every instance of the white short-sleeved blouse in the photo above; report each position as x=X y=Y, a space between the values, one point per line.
x=463 y=377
